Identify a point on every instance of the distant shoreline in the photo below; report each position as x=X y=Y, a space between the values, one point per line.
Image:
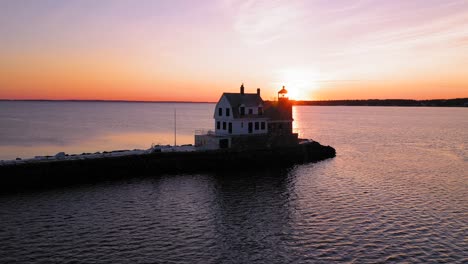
x=103 y=101
x=456 y=102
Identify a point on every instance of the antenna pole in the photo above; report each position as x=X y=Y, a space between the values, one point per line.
x=175 y=127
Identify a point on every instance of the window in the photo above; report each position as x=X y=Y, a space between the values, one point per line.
x=260 y=110
x=242 y=110
x=242 y=124
x=224 y=125
x=250 y=111
x=262 y=126
x=230 y=128
x=228 y=111
x=256 y=126
x=220 y=111
x=218 y=125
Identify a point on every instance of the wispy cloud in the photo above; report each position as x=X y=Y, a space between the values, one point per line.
x=442 y=32
x=379 y=23
x=263 y=21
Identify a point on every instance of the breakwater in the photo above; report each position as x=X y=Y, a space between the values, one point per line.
x=67 y=172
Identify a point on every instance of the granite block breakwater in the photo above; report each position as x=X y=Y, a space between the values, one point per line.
x=73 y=171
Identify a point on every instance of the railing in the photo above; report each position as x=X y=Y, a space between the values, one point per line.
x=204 y=132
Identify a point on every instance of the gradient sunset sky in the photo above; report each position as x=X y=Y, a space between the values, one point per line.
x=195 y=50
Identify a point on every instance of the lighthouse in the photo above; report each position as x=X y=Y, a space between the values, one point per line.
x=244 y=121
x=283 y=94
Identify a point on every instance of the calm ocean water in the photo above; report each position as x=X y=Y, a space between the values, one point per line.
x=396 y=192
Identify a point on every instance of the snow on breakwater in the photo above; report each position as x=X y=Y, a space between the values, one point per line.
x=105 y=154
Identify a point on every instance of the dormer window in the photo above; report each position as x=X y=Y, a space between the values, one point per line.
x=220 y=111
x=242 y=111
x=260 y=110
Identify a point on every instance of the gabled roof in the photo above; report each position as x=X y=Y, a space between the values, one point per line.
x=237 y=99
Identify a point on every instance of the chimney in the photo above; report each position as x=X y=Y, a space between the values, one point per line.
x=242 y=89
x=258 y=91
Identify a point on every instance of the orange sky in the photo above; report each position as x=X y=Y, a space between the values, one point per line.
x=194 y=50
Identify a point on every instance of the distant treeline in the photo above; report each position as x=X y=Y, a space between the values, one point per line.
x=458 y=102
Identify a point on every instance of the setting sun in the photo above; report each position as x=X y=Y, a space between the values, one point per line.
x=300 y=83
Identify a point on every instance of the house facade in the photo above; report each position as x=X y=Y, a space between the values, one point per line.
x=240 y=114
x=243 y=120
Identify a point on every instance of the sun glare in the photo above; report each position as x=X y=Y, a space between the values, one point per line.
x=300 y=83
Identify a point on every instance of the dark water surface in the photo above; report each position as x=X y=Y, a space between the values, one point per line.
x=396 y=192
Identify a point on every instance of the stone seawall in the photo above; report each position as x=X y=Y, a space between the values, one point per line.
x=66 y=172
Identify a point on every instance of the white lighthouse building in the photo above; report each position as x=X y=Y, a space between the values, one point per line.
x=243 y=120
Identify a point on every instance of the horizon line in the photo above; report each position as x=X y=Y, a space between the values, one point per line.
x=211 y=102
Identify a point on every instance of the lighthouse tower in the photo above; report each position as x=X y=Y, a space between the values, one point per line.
x=281 y=118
